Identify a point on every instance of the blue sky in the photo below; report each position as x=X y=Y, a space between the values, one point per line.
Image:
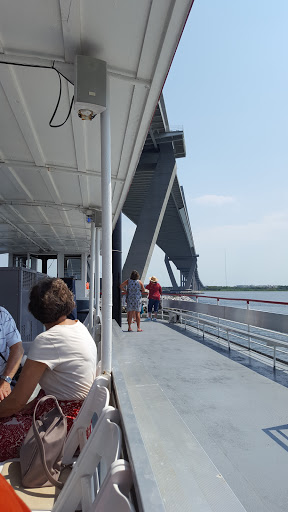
x=228 y=88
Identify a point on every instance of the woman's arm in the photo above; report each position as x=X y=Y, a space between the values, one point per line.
x=122 y=285
x=142 y=287
x=12 y=365
x=28 y=380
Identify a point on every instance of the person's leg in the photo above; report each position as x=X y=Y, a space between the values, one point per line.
x=156 y=307
x=149 y=314
x=130 y=316
x=138 y=320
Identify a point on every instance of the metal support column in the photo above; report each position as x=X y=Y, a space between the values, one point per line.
x=151 y=216
x=117 y=270
x=92 y=277
x=191 y=272
x=97 y=272
x=170 y=272
x=106 y=197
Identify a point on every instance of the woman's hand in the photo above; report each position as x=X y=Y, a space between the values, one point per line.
x=5 y=389
x=29 y=378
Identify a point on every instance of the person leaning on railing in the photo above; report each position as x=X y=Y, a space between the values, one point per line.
x=155 y=292
x=62 y=360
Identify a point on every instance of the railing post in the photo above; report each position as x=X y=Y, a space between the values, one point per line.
x=203 y=330
x=274 y=358
x=218 y=318
x=162 y=313
x=228 y=339
x=249 y=338
x=181 y=316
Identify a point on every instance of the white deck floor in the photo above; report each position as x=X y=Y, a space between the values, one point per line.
x=214 y=425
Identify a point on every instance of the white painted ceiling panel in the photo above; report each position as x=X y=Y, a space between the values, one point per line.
x=40 y=89
x=117 y=31
x=31 y=27
x=13 y=144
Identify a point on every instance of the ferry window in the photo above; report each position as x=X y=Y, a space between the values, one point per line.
x=72 y=266
x=20 y=260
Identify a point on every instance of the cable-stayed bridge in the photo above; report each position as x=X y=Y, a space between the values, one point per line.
x=156 y=204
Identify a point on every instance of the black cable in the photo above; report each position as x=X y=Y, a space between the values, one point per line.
x=24 y=65
x=60 y=90
x=57 y=104
x=35 y=66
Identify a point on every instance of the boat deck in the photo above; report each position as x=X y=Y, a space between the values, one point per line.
x=213 y=422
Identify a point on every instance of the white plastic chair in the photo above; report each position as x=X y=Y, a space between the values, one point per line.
x=114 y=492
x=96 y=400
x=103 y=446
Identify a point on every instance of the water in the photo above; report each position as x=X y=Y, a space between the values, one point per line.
x=256 y=295
x=273 y=296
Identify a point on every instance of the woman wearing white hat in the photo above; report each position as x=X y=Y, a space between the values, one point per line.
x=155 y=292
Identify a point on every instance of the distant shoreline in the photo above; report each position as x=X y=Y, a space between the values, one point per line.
x=279 y=288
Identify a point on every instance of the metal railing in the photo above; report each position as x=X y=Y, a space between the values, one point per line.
x=255 y=328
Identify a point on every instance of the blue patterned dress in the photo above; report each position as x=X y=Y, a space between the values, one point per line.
x=134 y=295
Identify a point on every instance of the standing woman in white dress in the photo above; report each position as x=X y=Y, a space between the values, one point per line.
x=134 y=289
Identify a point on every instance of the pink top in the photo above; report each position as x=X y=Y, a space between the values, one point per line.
x=155 y=290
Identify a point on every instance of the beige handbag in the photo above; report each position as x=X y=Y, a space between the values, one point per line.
x=42 y=451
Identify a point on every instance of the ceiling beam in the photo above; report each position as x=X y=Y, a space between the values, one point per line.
x=64 y=66
x=48 y=204
x=53 y=168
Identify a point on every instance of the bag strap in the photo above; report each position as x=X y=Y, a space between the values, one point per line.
x=1 y=355
x=40 y=442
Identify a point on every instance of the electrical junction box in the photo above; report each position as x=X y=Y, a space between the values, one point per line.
x=89 y=86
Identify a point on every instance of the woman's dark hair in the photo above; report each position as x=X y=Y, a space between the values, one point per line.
x=134 y=275
x=50 y=299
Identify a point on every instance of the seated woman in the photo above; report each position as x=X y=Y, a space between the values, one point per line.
x=62 y=360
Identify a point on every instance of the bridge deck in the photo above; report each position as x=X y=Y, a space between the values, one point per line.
x=214 y=424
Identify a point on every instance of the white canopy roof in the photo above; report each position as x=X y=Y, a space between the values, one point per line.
x=51 y=176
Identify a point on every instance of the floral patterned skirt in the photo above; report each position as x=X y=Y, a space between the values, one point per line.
x=13 y=429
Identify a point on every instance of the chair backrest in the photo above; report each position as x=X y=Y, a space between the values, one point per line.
x=96 y=400
x=103 y=445
x=114 y=492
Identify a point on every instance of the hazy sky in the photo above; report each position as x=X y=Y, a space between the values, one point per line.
x=228 y=88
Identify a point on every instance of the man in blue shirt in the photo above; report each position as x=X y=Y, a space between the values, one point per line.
x=11 y=351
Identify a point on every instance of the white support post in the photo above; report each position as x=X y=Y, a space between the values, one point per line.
x=106 y=195
x=92 y=277
x=249 y=338
x=97 y=272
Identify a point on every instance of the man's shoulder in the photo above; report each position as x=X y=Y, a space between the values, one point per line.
x=4 y=314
